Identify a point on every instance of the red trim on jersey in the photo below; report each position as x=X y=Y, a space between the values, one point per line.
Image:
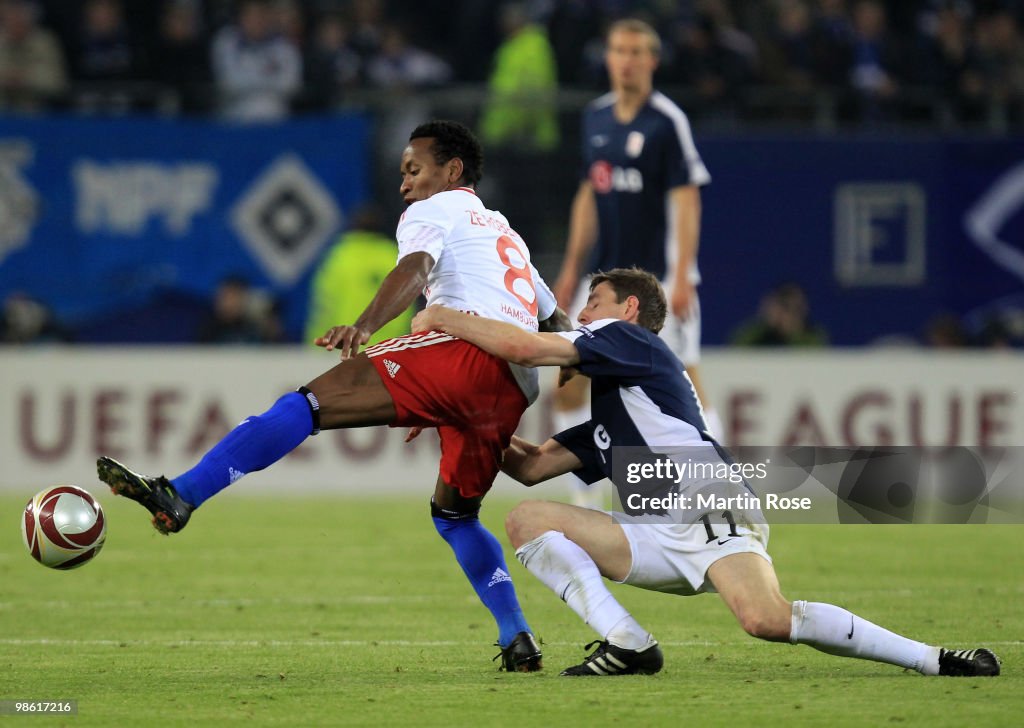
x=470 y=190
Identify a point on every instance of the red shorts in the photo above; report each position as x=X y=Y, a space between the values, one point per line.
x=469 y=395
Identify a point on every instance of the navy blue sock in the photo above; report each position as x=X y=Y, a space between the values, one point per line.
x=479 y=554
x=253 y=445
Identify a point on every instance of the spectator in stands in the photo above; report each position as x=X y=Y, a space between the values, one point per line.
x=521 y=110
x=874 y=73
x=1001 y=63
x=782 y=320
x=574 y=24
x=26 y=320
x=946 y=62
x=181 y=58
x=945 y=331
x=714 y=58
x=107 y=50
x=789 y=50
x=257 y=70
x=290 y=21
x=997 y=333
x=32 y=73
x=240 y=315
x=367 y=27
x=833 y=35
x=332 y=66
x=110 y=59
x=350 y=274
x=399 y=64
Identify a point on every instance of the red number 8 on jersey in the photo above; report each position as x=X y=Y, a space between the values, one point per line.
x=518 y=279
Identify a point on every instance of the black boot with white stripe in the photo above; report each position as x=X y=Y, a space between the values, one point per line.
x=968 y=663
x=608 y=659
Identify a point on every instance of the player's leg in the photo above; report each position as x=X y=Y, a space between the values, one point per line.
x=455 y=510
x=348 y=395
x=569 y=549
x=683 y=338
x=748 y=585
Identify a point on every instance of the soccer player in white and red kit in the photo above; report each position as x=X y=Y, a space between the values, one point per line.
x=459 y=254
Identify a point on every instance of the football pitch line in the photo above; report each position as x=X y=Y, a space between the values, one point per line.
x=19 y=642
x=834 y=595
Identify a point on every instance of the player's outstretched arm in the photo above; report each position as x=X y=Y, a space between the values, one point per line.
x=531 y=464
x=397 y=292
x=685 y=201
x=503 y=340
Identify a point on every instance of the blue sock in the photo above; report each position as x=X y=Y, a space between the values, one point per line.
x=479 y=554
x=253 y=445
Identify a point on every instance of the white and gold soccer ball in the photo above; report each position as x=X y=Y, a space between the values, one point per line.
x=63 y=527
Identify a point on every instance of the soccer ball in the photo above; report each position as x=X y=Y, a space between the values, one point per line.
x=63 y=527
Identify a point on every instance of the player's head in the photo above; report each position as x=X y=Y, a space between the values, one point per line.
x=628 y=294
x=441 y=155
x=632 y=50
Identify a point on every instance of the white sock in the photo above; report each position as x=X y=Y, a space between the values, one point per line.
x=836 y=631
x=569 y=572
x=580 y=494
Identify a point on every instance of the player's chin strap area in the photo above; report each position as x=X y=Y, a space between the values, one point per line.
x=449 y=515
x=314 y=408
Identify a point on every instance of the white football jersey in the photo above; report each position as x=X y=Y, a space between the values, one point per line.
x=481 y=264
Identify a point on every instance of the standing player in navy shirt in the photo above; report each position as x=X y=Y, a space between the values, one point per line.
x=638 y=204
x=642 y=400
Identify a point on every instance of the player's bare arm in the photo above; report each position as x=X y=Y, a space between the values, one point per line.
x=397 y=292
x=582 y=237
x=503 y=340
x=685 y=201
x=531 y=464
x=557 y=321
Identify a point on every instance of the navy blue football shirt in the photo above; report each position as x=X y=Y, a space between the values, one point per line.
x=632 y=167
x=640 y=396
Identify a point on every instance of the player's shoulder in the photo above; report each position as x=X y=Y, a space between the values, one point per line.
x=665 y=108
x=441 y=206
x=617 y=330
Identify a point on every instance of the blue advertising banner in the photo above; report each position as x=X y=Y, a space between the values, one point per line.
x=883 y=234
x=101 y=216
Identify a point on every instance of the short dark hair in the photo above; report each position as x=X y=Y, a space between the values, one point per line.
x=451 y=140
x=645 y=286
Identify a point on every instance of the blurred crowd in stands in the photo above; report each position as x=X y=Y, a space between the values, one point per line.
x=954 y=62
x=939 y=64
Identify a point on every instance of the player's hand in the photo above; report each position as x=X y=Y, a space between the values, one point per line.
x=565 y=374
x=344 y=339
x=682 y=300
x=413 y=433
x=565 y=290
x=429 y=319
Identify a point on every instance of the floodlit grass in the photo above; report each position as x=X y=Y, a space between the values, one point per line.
x=318 y=611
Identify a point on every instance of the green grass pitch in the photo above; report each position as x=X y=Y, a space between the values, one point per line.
x=319 y=611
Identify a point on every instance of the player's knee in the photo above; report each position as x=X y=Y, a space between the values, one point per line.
x=524 y=523
x=765 y=623
x=447 y=520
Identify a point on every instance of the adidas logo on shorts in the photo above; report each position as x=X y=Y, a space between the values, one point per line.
x=392 y=367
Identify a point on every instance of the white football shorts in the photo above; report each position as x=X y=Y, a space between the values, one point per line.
x=675 y=557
